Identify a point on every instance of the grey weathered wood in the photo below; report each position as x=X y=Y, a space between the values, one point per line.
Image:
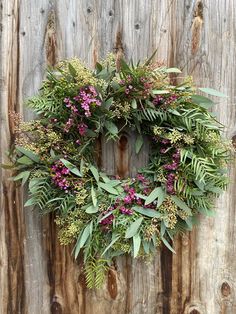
x=38 y=275
x=203 y=268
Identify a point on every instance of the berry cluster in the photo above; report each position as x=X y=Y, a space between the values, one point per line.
x=60 y=176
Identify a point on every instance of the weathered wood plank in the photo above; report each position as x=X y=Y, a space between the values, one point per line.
x=39 y=275
x=203 y=268
x=35 y=38
x=12 y=292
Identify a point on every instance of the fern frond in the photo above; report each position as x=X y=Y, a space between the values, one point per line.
x=44 y=105
x=95 y=271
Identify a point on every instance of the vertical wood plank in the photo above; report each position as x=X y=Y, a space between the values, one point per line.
x=203 y=269
x=39 y=275
x=34 y=39
x=12 y=292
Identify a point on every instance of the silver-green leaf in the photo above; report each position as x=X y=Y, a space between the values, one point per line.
x=133 y=228
x=136 y=244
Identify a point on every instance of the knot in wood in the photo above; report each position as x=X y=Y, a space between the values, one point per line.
x=112 y=284
x=234 y=141
x=123 y=143
x=56 y=307
x=194 y=312
x=89 y=10
x=225 y=289
x=199 y=10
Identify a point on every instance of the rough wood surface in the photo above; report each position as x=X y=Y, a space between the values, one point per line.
x=37 y=275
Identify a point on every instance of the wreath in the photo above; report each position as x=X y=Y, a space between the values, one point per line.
x=107 y=216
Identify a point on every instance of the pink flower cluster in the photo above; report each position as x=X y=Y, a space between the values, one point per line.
x=80 y=106
x=172 y=167
x=160 y=100
x=107 y=221
x=60 y=176
x=82 y=128
x=87 y=96
x=175 y=161
x=130 y=88
x=130 y=199
x=170 y=183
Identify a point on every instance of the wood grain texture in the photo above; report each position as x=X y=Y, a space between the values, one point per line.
x=203 y=268
x=37 y=275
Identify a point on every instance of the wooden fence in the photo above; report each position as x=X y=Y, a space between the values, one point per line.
x=37 y=275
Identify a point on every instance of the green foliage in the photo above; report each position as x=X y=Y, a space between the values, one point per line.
x=133 y=228
x=95 y=271
x=104 y=216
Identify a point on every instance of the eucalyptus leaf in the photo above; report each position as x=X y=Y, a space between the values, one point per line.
x=214 y=189
x=30 y=202
x=146 y=246
x=107 y=104
x=94 y=172
x=22 y=176
x=163 y=228
x=202 y=101
x=91 y=209
x=133 y=228
x=173 y=70
x=83 y=239
x=134 y=104
x=111 y=127
x=156 y=193
x=110 y=245
x=212 y=92
x=81 y=168
x=136 y=244
x=181 y=204
x=28 y=153
x=101 y=217
x=108 y=188
x=94 y=197
x=167 y=244
x=71 y=167
x=24 y=160
x=143 y=197
x=147 y=212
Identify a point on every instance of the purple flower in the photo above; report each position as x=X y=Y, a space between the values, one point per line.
x=65 y=170
x=170 y=189
x=140 y=177
x=170 y=183
x=165 y=141
x=163 y=150
x=68 y=125
x=126 y=211
x=82 y=127
x=157 y=100
x=66 y=100
x=127 y=199
x=59 y=173
x=108 y=220
x=176 y=156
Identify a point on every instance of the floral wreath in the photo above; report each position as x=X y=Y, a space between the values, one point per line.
x=109 y=216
